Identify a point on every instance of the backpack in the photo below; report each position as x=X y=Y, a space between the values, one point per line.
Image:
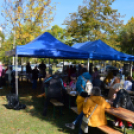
x=13 y=102
x=54 y=89
x=123 y=100
x=88 y=86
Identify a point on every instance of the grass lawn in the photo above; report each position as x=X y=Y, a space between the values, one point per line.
x=30 y=120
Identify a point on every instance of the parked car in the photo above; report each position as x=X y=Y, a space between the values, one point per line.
x=65 y=63
x=109 y=68
x=47 y=65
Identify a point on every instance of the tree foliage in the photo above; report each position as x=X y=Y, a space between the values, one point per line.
x=27 y=19
x=2 y=36
x=126 y=37
x=95 y=20
x=60 y=34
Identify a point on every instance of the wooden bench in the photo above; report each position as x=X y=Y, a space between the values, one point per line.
x=56 y=104
x=105 y=129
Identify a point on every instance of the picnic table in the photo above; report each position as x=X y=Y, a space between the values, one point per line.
x=70 y=95
x=123 y=114
x=130 y=92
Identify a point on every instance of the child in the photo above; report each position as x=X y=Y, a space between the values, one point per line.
x=65 y=81
x=72 y=83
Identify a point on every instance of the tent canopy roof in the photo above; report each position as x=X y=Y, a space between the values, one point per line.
x=46 y=46
x=100 y=50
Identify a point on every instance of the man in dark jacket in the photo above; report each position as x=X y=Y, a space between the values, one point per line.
x=42 y=68
x=28 y=71
x=54 y=89
x=123 y=100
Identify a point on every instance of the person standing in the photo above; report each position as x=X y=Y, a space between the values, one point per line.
x=8 y=73
x=80 y=88
x=35 y=77
x=42 y=68
x=28 y=70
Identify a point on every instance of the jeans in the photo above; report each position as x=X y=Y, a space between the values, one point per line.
x=79 y=119
x=34 y=86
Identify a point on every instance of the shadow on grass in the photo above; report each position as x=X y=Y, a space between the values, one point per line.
x=59 y=121
x=35 y=108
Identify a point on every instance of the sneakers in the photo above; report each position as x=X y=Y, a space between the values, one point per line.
x=122 y=127
x=70 y=125
x=130 y=127
x=115 y=123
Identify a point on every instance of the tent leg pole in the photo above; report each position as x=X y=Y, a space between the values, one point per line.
x=16 y=74
x=131 y=69
x=88 y=64
x=49 y=65
x=63 y=66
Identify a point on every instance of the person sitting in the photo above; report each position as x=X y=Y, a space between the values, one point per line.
x=113 y=89
x=72 y=83
x=128 y=83
x=98 y=118
x=108 y=78
x=123 y=100
x=65 y=82
x=114 y=76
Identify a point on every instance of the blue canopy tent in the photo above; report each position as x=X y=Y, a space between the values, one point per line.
x=101 y=51
x=46 y=46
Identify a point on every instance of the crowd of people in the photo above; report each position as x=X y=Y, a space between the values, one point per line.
x=117 y=96
x=88 y=87
x=7 y=76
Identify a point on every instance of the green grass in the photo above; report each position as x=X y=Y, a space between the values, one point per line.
x=30 y=120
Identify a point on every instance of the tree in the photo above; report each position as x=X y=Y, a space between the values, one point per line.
x=95 y=20
x=60 y=34
x=27 y=19
x=57 y=32
x=2 y=36
x=126 y=37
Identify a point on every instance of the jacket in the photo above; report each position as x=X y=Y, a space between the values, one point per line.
x=98 y=118
x=35 y=74
x=80 y=82
x=123 y=100
x=79 y=103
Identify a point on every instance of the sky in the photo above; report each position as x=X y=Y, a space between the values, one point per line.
x=65 y=7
